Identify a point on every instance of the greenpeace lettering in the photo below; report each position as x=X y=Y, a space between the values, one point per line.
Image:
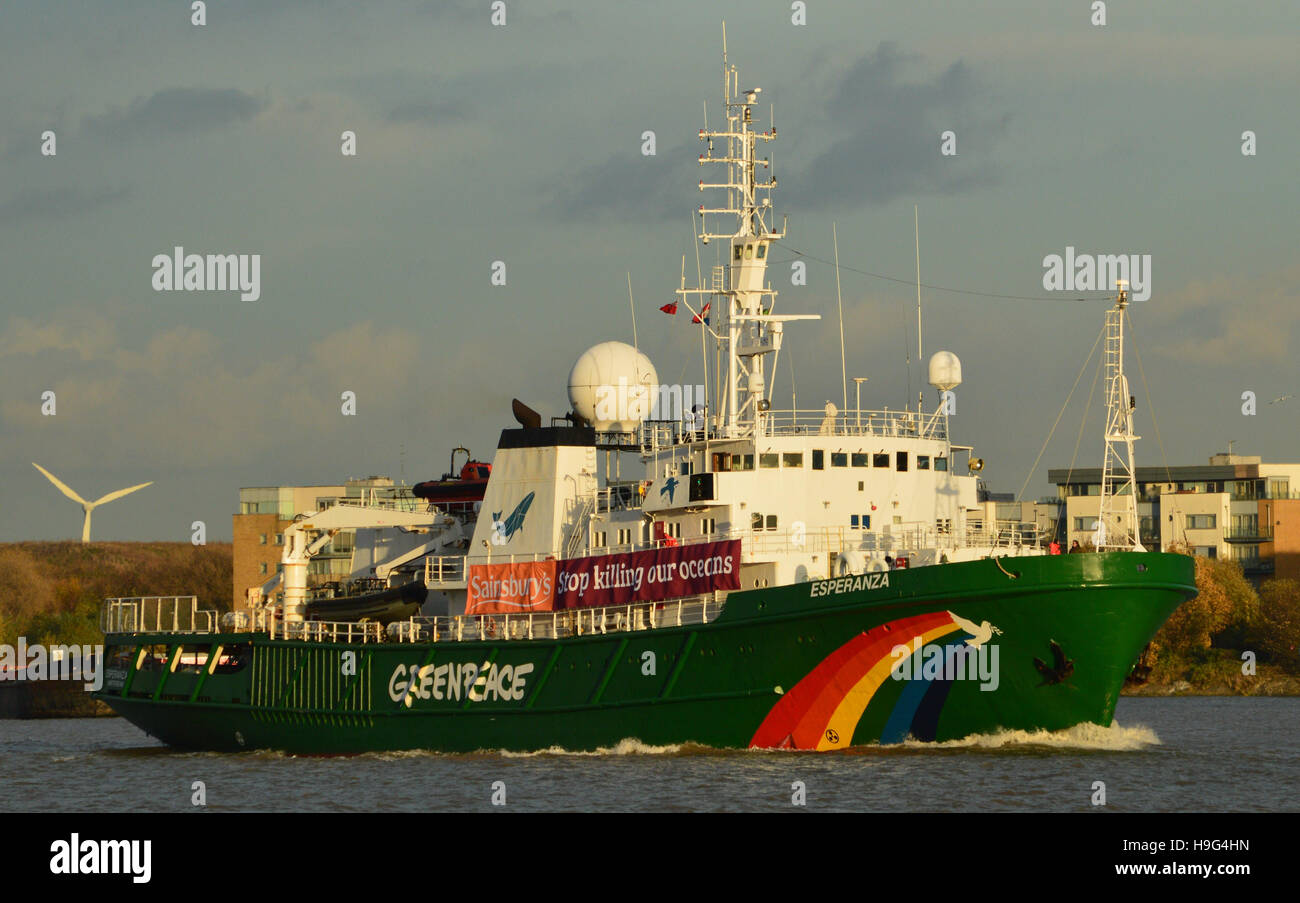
x=510 y=588
x=877 y=580
x=454 y=681
x=652 y=576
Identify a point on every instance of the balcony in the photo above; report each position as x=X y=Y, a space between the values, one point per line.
x=1249 y=534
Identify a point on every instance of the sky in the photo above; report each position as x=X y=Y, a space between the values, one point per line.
x=522 y=143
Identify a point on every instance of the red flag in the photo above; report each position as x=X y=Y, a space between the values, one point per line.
x=670 y=308
x=704 y=314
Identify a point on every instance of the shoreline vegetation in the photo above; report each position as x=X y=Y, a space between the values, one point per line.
x=1231 y=640
x=51 y=593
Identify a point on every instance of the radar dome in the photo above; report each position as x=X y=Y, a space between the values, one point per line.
x=945 y=371
x=612 y=386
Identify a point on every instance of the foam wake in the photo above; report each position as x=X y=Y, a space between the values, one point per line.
x=1115 y=738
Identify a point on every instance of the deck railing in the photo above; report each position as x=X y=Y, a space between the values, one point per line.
x=545 y=625
x=155 y=614
x=121 y=614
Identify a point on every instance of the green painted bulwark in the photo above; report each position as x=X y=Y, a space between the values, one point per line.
x=797 y=661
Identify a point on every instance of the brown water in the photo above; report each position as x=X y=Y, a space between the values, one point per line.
x=1183 y=754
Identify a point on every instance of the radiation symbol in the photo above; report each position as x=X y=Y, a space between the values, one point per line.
x=831 y=736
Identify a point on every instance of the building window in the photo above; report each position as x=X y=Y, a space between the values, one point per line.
x=818 y=459
x=1207 y=551
x=839 y=459
x=792 y=459
x=880 y=459
x=263 y=567
x=922 y=462
x=1200 y=521
x=279 y=539
x=860 y=459
x=1083 y=524
x=261 y=539
x=902 y=461
x=769 y=460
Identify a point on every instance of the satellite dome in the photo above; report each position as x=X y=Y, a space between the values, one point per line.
x=945 y=371
x=613 y=386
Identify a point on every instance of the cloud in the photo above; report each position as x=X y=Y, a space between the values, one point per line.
x=57 y=203
x=630 y=184
x=175 y=111
x=251 y=403
x=1231 y=322
x=887 y=142
x=428 y=112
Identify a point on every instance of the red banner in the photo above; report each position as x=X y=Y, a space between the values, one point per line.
x=652 y=576
x=510 y=588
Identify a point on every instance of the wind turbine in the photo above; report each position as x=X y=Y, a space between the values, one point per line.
x=85 y=505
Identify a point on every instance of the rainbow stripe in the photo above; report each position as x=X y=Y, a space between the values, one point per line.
x=822 y=711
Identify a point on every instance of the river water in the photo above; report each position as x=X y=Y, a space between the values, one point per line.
x=1167 y=755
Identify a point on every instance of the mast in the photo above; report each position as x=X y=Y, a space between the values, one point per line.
x=739 y=294
x=1118 y=524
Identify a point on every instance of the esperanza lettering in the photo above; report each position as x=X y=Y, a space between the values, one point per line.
x=451 y=681
x=620 y=576
x=849 y=584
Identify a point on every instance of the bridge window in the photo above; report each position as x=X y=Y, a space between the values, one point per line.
x=922 y=462
x=707 y=526
x=769 y=460
x=839 y=459
x=762 y=250
x=880 y=459
x=599 y=539
x=749 y=251
x=792 y=459
x=941 y=464
x=860 y=459
x=739 y=252
x=902 y=461
x=742 y=462
x=624 y=537
x=771 y=522
x=818 y=459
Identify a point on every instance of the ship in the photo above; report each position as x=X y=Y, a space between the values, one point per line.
x=676 y=565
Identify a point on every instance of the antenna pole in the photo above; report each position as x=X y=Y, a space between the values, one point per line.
x=916 y=222
x=844 y=370
x=635 y=344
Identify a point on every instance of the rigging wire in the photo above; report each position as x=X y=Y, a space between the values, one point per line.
x=1151 y=407
x=1084 y=420
x=1059 y=415
x=937 y=288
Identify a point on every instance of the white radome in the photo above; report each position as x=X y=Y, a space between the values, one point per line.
x=612 y=385
x=945 y=371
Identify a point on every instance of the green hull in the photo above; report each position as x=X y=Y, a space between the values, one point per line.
x=809 y=666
